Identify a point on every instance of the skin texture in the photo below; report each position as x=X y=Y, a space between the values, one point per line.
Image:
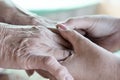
x=102 y=30
x=88 y=61
x=11 y=14
x=100 y=21
x=32 y=48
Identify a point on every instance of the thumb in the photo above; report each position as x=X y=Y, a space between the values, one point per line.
x=72 y=36
x=78 y=41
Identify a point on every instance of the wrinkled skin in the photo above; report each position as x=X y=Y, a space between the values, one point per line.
x=22 y=18
x=11 y=14
x=32 y=48
x=88 y=61
x=103 y=30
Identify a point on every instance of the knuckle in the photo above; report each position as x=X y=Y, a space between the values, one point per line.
x=63 y=54
x=61 y=71
x=48 y=60
x=22 y=49
x=25 y=61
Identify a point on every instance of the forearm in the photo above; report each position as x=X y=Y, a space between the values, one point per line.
x=9 y=13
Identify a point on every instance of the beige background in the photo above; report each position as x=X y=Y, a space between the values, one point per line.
x=110 y=7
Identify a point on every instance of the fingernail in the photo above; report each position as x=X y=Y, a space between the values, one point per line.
x=62 y=27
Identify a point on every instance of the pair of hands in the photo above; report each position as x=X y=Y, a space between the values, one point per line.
x=90 y=61
x=91 y=26
x=30 y=48
x=102 y=30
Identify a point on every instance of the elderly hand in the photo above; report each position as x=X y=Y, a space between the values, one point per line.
x=32 y=48
x=12 y=14
x=103 y=30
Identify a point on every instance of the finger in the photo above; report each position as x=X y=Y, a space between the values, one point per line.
x=78 y=23
x=78 y=41
x=47 y=63
x=65 y=44
x=54 y=30
x=56 y=38
x=80 y=30
x=71 y=35
x=60 y=40
x=59 y=54
x=45 y=74
x=69 y=23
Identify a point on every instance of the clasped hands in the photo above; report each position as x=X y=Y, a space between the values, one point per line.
x=63 y=54
x=92 y=57
x=38 y=49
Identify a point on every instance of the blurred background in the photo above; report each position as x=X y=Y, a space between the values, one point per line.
x=60 y=10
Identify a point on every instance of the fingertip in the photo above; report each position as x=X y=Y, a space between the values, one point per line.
x=61 y=27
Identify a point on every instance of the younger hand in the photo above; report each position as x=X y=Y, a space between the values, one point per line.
x=103 y=30
x=89 y=61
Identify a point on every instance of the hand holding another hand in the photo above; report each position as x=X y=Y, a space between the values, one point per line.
x=32 y=48
x=89 y=61
x=103 y=30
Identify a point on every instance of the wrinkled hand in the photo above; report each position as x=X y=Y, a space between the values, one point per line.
x=12 y=14
x=32 y=48
x=103 y=30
